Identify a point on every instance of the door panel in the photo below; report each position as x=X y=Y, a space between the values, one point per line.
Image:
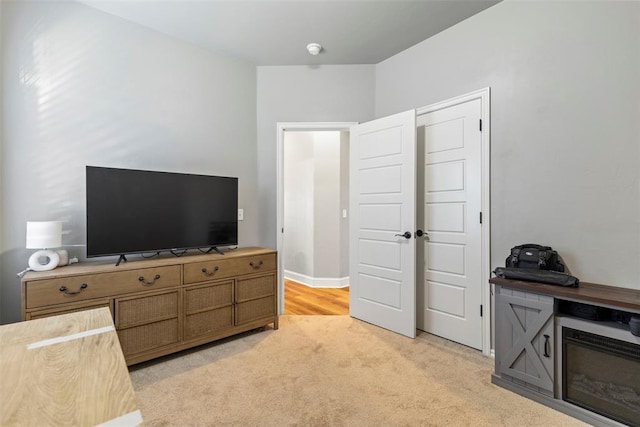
x=380 y=290
x=380 y=254
x=381 y=179
x=445 y=217
x=446 y=136
x=382 y=188
x=446 y=298
x=381 y=143
x=381 y=217
x=446 y=258
x=449 y=207
x=444 y=177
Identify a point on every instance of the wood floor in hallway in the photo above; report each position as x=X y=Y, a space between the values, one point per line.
x=304 y=300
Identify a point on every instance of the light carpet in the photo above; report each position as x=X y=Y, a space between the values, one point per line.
x=331 y=371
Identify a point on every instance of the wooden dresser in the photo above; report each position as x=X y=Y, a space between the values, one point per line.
x=161 y=306
x=65 y=370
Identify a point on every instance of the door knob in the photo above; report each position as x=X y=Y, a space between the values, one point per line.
x=419 y=233
x=406 y=235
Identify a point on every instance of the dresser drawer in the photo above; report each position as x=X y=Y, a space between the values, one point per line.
x=62 y=290
x=255 y=310
x=70 y=308
x=151 y=336
x=211 y=270
x=209 y=296
x=255 y=287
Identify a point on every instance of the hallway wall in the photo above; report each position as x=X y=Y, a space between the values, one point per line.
x=314 y=244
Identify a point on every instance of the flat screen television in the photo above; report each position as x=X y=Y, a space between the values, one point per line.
x=137 y=211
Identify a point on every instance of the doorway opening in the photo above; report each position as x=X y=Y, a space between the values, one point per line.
x=313 y=223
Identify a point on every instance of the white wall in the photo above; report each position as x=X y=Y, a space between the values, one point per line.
x=313 y=200
x=299 y=166
x=326 y=202
x=83 y=87
x=333 y=93
x=565 y=111
x=344 y=203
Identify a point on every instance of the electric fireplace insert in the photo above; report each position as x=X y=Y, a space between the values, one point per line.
x=601 y=373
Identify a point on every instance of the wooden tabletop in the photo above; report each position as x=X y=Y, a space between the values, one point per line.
x=137 y=262
x=593 y=293
x=65 y=370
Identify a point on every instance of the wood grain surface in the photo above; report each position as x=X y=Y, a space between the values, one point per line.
x=304 y=300
x=136 y=262
x=83 y=381
x=611 y=296
x=146 y=297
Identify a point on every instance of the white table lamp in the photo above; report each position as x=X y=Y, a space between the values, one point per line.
x=44 y=235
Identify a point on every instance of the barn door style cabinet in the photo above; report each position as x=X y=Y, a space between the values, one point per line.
x=525 y=339
x=164 y=305
x=576 y=350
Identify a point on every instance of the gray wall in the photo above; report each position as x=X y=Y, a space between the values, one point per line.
x=83 y=87
x=1 y=145
x=333 y=93
x=565 y=100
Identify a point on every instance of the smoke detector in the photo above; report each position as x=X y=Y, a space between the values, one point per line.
x=314 y=48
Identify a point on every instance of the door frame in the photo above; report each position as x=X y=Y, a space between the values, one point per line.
x=282 y=127
x=484 y=95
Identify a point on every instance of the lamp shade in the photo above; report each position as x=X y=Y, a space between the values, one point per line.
x=44 y=234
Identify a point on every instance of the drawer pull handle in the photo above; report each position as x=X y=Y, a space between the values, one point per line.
x=256 y=266
x=144 y=282
x=67 y=292
x=547 y=349
x=210 y=273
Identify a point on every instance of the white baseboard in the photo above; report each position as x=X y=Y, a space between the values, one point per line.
x=317 y=282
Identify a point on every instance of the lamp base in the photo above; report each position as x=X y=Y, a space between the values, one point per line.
x=64 y=257
x=52 y=260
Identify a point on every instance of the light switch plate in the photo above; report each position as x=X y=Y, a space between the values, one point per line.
x=240 y=214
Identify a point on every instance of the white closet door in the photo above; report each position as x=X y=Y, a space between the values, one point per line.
x=450 y=204
x=383 y=194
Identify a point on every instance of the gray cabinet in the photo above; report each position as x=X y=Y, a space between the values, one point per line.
x=524 y=341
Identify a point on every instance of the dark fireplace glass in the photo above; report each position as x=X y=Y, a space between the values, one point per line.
x=602 y=375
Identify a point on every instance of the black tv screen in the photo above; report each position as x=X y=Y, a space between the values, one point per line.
x=136 y=211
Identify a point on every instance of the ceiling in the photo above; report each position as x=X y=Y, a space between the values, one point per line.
x=267 y=32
